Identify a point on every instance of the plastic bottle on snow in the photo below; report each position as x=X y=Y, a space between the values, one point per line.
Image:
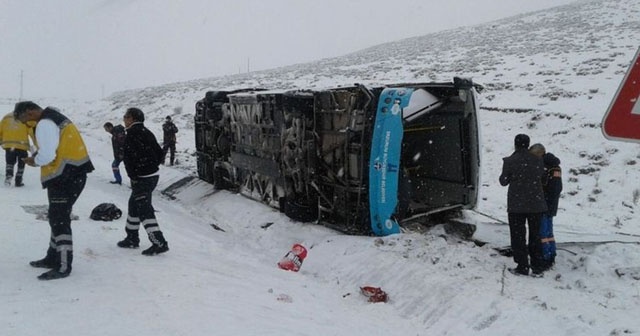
x=294 y=258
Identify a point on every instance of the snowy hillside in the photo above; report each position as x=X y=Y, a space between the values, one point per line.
x=550 y=74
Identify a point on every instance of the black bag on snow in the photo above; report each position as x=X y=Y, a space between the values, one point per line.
x=106 y=212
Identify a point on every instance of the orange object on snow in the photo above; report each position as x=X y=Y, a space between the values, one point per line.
x=294 y=258
x=375 y=294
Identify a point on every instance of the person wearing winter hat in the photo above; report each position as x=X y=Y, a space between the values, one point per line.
x=552 y=187
x=523 y=172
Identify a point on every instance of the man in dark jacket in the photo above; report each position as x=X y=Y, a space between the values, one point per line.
x=117 y=142
x=64 y=163
x=523 y=173
x=169 y=131
x=142 y=155
x=552 y=187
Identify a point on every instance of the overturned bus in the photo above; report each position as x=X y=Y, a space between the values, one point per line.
x=362 y=160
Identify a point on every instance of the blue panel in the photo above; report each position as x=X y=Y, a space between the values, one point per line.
x=384 y=162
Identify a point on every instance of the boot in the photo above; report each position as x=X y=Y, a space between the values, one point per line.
x=19 y=181
x=7 y=181
x=129 y=242
x=156 y=249
x=44 y=263
x=54 y=274
x=49 y=261
x=520 y=270
x=537 y=272
x=159 y=244
x=63 y=269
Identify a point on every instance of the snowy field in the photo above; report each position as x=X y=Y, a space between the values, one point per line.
x=550 y=74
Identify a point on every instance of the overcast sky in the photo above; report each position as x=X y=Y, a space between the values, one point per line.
x=90 y=48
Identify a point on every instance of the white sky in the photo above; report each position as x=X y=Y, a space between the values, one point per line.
x=90 y=48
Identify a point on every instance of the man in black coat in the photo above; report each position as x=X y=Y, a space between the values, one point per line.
x=117 y=142
x=169 y=130
x=142 y=155
x=523 y=172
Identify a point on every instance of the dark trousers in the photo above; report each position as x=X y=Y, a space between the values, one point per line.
x=62 y=196
x=141 y=210
x=115 y=166
x=518 y=230
x=13 y=156
x=171 y=148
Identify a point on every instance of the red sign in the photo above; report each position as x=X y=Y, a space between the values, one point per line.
x=622 y=121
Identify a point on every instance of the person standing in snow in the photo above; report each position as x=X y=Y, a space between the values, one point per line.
x=169 y=131
x=14 y=137
x=552 y=187
x=142 y=155
x=64 y=163
x=117 y=142
x=523 y=172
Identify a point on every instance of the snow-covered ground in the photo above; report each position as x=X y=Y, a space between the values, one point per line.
x=550 y=74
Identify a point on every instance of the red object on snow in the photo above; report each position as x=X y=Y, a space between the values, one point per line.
x=294 y=258
x=375 y=294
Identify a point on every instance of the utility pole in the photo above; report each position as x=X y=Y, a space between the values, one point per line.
x=248 y=67
x=21 y=83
